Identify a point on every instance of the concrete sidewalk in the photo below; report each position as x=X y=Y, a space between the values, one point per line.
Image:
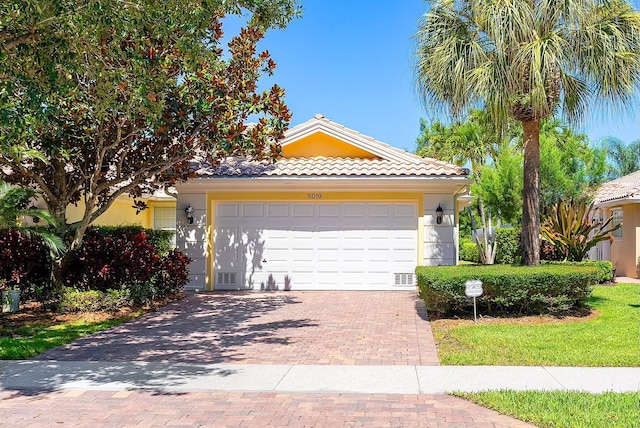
x=192 y=377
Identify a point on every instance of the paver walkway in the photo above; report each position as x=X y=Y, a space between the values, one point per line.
x=314 y=327
x=236 y=409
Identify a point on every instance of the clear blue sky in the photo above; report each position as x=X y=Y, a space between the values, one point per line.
x=351 y=60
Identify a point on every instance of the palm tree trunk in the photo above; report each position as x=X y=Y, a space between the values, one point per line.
x=531 y=194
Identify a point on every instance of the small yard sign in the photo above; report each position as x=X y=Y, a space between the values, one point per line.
x=473 y=288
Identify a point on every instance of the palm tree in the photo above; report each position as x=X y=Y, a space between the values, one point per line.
x=16 y=205
x=623 y=159
x=471 y=141
x=527 y=60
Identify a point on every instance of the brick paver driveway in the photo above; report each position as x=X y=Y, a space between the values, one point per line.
x=314 y=327
x=243 y=410
x=346 y=328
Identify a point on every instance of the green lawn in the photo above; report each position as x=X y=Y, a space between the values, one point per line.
x=33 y=339
x=611 y=339
x=564 y=409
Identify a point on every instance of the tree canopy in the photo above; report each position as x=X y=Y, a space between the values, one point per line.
x=528 y=60
x=571 y=168
x=100 y=98
x=623 y=159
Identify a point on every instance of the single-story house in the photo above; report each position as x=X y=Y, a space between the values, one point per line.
x=339 y=210
x=620 y=198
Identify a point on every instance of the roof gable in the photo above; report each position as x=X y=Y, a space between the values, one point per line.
x=321 y=144
x=321 y=137
x=321 y=148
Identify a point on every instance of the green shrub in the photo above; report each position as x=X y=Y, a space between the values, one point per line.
x=73 y=300
x=126 y=258
x=161 y=240
x=604 y=267
x=548 y=288
x=25 y=263
x=469 y=252
x=509 y=250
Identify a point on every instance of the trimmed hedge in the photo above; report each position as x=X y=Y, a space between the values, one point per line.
x=549 y=288
x=604 y=267
x=509 y=242
x=469 y=252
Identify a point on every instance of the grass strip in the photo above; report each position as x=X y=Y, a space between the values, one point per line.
x=565 y=409
x=33 y=339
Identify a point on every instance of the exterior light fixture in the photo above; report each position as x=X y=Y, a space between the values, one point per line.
x=189 y=213
x=439 y=214
x=34 y=218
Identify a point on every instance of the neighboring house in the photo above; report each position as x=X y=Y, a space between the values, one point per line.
x=340 y=210
x=621 y=198
x=160 y=214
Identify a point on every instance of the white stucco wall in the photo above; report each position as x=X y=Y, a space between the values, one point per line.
x=440 y=241
x=192 y=239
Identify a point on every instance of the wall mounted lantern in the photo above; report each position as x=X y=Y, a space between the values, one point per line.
x=189 y=213
x=439 y=213
x=34 y=218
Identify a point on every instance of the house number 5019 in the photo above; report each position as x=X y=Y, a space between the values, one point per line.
x=314 y=195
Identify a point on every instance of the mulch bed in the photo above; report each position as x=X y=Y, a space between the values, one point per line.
x=39 y=313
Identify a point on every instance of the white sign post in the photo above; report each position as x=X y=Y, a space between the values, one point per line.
x=473 y=288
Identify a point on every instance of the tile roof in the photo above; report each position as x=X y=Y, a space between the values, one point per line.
x=623 y=187
x=331 y=167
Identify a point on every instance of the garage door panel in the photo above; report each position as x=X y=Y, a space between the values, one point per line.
x=280 y=255
x=375 y=256
x=303 y=210
x=355 y=210
x=404 y=257
x=302 y=278
x=253 y=210
x=328 y=255
x=303 y=255
x=328 y=210
x=317 y=245
x=278 y=210
x=227 y=210
x=378 y=210
x=352 y=255
x=402 y=210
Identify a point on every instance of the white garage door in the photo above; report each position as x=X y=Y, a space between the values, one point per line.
x=315 y=245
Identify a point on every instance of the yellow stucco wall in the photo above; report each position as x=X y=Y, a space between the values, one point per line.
x=321 y=144
x=120 y=213
x=212 y=198
x=626 y=250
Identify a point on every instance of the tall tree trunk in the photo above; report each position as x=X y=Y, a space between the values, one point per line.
x=486 y=246
x=531 y=194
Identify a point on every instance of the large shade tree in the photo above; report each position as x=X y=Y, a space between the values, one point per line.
x=528 y=59
x=101 y=98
